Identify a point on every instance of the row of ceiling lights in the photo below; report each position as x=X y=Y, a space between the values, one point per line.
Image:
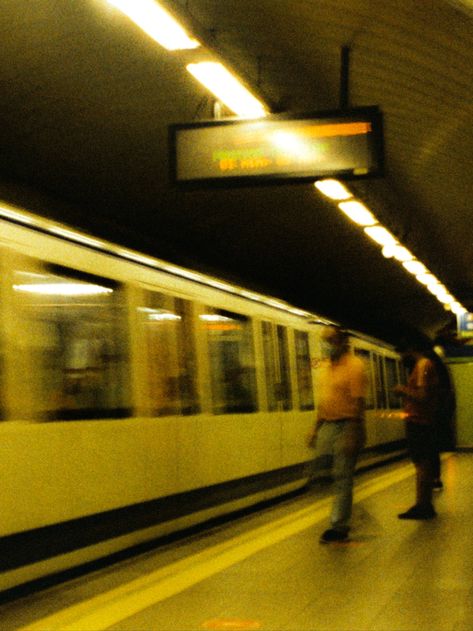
x=164 y=29
x=392 y=248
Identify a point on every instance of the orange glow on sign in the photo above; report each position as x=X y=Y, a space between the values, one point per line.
x=339 y=129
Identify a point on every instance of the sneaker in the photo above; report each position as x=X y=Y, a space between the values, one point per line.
x=437 y=485
x=333 y=536
x=418 y=512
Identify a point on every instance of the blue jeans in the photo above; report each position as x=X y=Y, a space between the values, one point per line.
x=340 y=442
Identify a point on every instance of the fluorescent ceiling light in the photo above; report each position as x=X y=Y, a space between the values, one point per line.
x=214 y=317
x=445 y=298
x=333 y=189
x=164 y=316
x=402 y=254
x=358 y=213
x=63 y=289
x=457 y=308
x=415 y=267
x=380 y=235
x=427 y=279
x=157 y=23
x=216 y=78
x=437 y=288
x=397 y=251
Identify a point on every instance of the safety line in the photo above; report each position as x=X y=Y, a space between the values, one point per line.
x=101 y=612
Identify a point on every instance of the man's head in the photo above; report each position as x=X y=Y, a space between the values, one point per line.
x=335 y=341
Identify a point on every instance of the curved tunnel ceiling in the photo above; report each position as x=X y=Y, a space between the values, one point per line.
x=88 y=98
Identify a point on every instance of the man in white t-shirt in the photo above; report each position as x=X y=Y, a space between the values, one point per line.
x=339 y=433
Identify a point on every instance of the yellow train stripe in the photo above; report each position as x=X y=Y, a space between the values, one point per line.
x=101 y=612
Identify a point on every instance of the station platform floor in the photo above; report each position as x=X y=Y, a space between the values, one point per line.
x=267 y=570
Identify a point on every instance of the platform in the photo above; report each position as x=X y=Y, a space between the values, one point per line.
x=267 y=570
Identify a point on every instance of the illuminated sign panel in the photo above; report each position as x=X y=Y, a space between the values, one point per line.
x=344 y=144
x=465 y=325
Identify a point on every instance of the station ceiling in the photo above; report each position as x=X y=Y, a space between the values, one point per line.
x=87 y=99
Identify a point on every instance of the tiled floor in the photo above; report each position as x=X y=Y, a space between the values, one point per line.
x=268 y=571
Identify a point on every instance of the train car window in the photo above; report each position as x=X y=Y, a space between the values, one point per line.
x=285 y=389
x=231 y=361
x=381 y=399
x=79 y=346
x=304 y=372
x=168 y=328
x=392 y=380
x=365 y=355
x=271 y=378
x=276 y=365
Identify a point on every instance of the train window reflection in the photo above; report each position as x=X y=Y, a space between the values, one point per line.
x=304 y=372
x=285 y=390
x=276 y=364
x=169 y=333
x=381 y=398
x=231 y=361
x=392 y=379
x=79 y=343
x=271 y=378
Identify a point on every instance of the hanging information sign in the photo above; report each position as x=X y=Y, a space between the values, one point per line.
x=344 y=144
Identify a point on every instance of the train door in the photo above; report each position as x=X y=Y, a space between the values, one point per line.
x=276 y=365
x=303 y=371
x=4 y=290
x=169 y=346
x=22 y=336
x=380 y=381
x=231 y=353
x=392 y=380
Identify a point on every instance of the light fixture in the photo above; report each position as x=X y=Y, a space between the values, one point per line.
x=415 y=267
x=358 y=213
x=63 y=289
x=214 y=317
x=391 y=248
x=402 y=254
x=380 y=235
x=333 y=189
x=216 y=78
x=162 y=317
x=445 y=298
x=457 y=308
x=437 y=289
x=157 y=23
x=427 y=279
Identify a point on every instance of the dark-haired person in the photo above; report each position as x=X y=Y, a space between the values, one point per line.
x=420 y=398
x=339 y=432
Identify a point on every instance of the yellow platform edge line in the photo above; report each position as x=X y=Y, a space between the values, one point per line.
x=101 y=612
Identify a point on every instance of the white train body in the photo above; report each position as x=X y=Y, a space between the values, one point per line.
x=138 y=402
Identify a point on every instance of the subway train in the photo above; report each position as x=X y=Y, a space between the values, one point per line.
x=139 y=399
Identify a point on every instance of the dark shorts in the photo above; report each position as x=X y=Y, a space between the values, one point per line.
x=421 y=442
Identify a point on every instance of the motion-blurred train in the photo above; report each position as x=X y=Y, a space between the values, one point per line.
x=139 y=399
